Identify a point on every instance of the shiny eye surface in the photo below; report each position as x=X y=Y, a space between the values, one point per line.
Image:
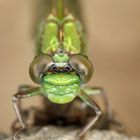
x=82 y=65
x=39 y=66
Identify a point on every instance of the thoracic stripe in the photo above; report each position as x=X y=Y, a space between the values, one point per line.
x=61 y=35
x=71 y=42
x=50 y=42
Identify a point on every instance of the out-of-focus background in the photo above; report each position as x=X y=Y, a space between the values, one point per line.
x=114 y=46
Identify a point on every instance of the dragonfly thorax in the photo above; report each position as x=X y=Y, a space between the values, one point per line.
x=61 y=35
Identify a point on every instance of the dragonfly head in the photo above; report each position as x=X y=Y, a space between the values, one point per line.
x=61 y=75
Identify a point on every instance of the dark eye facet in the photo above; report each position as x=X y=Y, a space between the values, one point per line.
x=82 y=65
x=39 y=66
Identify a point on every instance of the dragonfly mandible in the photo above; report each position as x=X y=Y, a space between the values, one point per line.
x=61 y=66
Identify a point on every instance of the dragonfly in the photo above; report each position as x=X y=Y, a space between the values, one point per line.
x=61 y=66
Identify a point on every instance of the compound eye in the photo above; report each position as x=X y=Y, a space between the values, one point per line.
x=39 y=66
x=83 y=66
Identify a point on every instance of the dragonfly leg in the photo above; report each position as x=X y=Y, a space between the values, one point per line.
x=15 y=125
x=93 y=91
x=24 y=87
x=16 y=98
x=95 y=108
x=114 y=122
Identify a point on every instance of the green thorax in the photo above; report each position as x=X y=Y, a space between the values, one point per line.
x=65 y=35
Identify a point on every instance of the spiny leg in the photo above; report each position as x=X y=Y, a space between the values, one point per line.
x=21 y=88
x=15 y=99
x=93 y=91
x=95 y=108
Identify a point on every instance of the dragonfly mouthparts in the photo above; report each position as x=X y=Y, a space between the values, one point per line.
x=60 y=68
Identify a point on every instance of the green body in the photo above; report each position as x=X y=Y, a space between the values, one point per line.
x=61 y=36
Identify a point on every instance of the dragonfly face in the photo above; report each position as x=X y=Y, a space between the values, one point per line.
x=60 y=76
x=60 y=82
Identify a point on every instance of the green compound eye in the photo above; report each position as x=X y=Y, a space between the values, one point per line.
x=39 y=65
x=83 y=66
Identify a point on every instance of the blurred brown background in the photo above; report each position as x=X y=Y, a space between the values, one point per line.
x=114 y=46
